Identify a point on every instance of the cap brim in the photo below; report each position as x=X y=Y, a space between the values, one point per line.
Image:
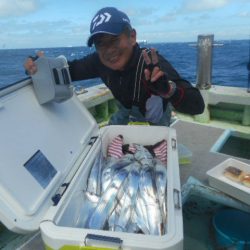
x=91 y=37
x=115 y=29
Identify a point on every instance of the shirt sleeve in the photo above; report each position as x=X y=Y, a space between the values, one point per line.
x=85 y=68
x=186 y=98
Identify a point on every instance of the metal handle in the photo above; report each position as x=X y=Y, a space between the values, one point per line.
x=177 y=199
x=95 y=240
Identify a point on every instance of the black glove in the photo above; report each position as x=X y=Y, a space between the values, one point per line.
x=162 y=85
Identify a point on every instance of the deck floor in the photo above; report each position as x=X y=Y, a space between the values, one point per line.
x=199 y=139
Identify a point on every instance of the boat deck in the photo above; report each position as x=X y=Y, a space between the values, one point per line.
x=199 y=139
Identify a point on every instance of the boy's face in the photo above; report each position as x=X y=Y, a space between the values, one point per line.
x=115 y=51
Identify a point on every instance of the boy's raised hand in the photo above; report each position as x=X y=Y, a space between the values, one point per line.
x=30 y=65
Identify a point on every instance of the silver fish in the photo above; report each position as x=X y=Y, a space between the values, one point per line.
x=107 y=202
x=129 y=197
x=89 y=203
x=119 y=203
x=111 y=167
x=113 y=161
x=150 y=198
x=121 y=195
x=143 y=156
x=141 y=215
x=133 y=194
x=161 y=185
x=132 y=226
x=111 y=220
x=94 y=179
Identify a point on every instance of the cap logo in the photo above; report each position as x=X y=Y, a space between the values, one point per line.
x=99 y=19
x=125 y=20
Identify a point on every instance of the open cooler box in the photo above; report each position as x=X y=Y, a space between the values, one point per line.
x=46 y=155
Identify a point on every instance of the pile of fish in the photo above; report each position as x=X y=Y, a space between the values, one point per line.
x=128 y=194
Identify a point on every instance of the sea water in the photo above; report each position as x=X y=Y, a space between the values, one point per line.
x=230 y=60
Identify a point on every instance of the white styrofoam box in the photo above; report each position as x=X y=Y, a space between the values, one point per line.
x=237 y=190
x=58 y=230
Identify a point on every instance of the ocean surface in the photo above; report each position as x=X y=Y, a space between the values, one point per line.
x=230 y=60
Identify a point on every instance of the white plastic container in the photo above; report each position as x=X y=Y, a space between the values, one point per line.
x=237 y=190
x=46 y=154
x=185 y=155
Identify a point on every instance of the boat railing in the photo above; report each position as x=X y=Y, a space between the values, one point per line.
x=14 y=86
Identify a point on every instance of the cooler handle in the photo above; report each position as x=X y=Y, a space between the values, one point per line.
x=177 y=199
x=103 y=242
x=173 y=143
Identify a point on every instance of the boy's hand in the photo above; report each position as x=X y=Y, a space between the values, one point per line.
x=30 y=65
x=156 y=79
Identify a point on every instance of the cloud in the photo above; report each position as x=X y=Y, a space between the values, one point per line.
x=141 y=16
x=61 y=27
x=25 y=34
x=133 y=12
x=171 y=16
x=244 y=14
x=204 y=5
x=10 y=8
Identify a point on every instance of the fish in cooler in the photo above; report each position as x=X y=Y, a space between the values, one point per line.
x=161 y=186
x=127 y=191
x=150 y=199
x=107 y=202
x=129 y=198
x=111 y=166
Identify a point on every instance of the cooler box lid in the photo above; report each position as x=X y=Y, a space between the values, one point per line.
x=40 y=145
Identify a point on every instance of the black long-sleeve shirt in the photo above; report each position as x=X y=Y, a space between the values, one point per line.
x=128 y=86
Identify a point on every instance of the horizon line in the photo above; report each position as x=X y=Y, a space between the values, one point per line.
x=138 y=41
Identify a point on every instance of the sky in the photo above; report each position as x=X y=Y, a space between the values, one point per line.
x=61 y=23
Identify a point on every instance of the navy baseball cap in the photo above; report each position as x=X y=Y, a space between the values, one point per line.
x=108 y=20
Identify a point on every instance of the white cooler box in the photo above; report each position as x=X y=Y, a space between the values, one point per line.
x=46 y=155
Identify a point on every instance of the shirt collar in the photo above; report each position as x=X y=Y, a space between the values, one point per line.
x=134 y=58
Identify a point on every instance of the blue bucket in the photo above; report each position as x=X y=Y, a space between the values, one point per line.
x=232 y=229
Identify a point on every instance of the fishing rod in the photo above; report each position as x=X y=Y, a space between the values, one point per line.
x=248 y=67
